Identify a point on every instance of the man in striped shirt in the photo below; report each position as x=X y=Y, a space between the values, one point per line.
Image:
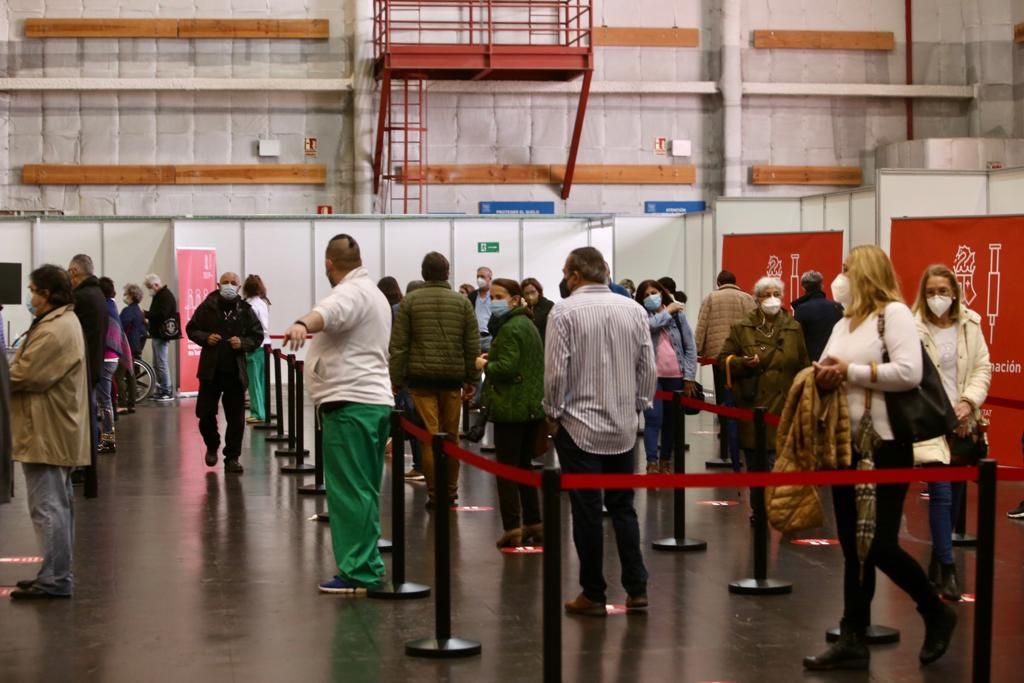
x=599 y=376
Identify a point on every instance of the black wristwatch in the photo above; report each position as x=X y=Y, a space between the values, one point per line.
x=299 y=322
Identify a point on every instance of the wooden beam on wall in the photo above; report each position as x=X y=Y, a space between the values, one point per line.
x=1018 y=33
x=188 y=174
x=807 y=175
x=536 y=174
x=825 y=40
x=486 y=174
x=253 y=28
x=101 y=28
x=606 y=36
x=612 y=174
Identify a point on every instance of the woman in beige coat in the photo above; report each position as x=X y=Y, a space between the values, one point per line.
x=50 y=425
x=953 y=338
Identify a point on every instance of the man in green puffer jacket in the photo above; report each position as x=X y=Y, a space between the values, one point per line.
x=435 y=340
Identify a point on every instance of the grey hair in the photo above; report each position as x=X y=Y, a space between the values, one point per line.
x=589 y=263
x=811 y=280
x=134 y=292
x=766 y=283
x=82 y=262
x=153 y=279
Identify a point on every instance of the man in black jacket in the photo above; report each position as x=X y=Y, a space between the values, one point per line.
x=91 y=310
x=226 y=328
x=163 y=320
x=816 y=314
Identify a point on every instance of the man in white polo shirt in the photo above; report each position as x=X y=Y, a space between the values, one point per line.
x=347 y=377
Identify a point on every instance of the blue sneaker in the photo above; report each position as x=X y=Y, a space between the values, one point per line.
x=340 y=585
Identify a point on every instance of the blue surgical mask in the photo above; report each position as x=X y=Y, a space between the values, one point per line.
x=653 y=303
x=229 y=291
x=31 y=307
x=499 y=308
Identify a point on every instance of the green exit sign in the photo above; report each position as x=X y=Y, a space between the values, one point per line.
x=487 y=248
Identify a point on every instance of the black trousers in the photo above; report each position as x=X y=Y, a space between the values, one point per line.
x=886 y=553
x=226 y=389
x=513 y=445
x=587 y=525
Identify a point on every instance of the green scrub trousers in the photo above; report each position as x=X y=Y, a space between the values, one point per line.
x=254 y=362
x=354 y=436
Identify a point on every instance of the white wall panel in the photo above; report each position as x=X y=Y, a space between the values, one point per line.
x=224 y=236
x=812 y=213
x=837 y=211
x=281 y=252
x=469 y=234
x=546 y=244
x=407 y=242
x=1006 y=191
x=366 y=233
x=56 y=243
x=650 y=248
x=928 y=193
x=16 y=238
x=603 y=239
x=862 y=219
x=753 y=216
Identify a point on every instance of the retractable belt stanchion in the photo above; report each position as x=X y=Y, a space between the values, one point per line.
x=679 y=542
x=961 y=538
x=300 y=466
x=985 y=572
x=465 y=417
x=317 y=488
x=551 y=499
x=398 y=588
x=442 y=645
x=291 y=449
x=268 y=415
x=760 y=584
x=318 y=448
x=280 y=435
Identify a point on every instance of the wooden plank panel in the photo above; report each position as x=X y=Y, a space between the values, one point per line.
x=1018 y=33
x=610 y=174
x=825 y=40
x=250 y=174
x=606 y=36
x=101 y=28
x=807 y=175
x=253 y=28
x=487 y=174
x=57 y=174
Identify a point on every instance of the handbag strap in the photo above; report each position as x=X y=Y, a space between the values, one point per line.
x=728 y=371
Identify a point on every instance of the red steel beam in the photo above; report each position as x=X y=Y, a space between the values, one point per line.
x=577 y=132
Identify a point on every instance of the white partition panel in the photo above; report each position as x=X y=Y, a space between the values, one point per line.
x=812 y=212
x=406 y=242
x=224 y=236
x=928 y=193
x=474 y=239
x=16 y=247
x=57 y=242
x=603 y=239
x=737 y=215
x=837 y=211
x=863 y=220
x=281 y=252
x=649 y=247
x=1006 y=191
x=546 y=244
x=366 y=233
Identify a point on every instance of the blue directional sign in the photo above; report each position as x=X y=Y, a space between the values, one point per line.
x=674 y=207
x=517 y=208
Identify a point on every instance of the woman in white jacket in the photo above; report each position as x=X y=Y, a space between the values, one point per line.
x=953 y=338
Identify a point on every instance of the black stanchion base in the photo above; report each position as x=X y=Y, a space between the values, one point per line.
x=760 y=587
x=877 y=635
x=964 y=541
x=263 y=427
x=313 y=489
x=384 y=545
x=679 y=544
x=323 y=517
x=274 y=438
x=717 y=464
x=288 y=453
x=442 y=649
x=301 y=468
x=403 y=591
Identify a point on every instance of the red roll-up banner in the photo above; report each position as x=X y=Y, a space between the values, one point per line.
x=197 y=277
x=784 y=255
x=981 y=252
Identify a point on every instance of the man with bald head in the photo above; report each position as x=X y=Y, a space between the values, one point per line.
x=347 y=378
x=226 y=328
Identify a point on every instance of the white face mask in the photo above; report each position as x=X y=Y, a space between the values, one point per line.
x=229 y=291
x=841 y=290
x=481 y=282
x=939 y=305
x=771 y=306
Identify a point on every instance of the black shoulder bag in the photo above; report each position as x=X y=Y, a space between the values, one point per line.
x=923 y=412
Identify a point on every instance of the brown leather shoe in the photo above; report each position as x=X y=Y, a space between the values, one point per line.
x=583 y=606
x=513 y=538
x=636 y=602
x=665 y=467
x=652 y=467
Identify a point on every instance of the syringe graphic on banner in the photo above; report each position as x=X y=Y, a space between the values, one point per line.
x=995 y=279
x=794 y=274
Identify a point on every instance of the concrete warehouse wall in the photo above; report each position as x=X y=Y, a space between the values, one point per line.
x=957 y=42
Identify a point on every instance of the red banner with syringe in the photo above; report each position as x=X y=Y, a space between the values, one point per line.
x=983 y=252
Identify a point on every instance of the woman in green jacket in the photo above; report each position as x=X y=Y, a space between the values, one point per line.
x=763 y=354
x=512 y=395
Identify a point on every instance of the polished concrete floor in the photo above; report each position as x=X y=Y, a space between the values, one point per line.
x=185 y=574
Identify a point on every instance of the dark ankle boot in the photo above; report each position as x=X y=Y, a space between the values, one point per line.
x=949 y=586
x=939 y=624
x=934 y=572
x=850 y=652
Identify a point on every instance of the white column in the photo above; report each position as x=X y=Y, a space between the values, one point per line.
x=361 y=33
x=731 y=85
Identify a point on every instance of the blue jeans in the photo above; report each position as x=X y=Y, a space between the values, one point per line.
x=658 y=419
x=944 y=499
x=51 y=505
x=404 y=402
x=161 y=367
x=729 y=437
x=103 y=400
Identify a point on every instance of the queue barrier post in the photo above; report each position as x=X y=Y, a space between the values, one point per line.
x=279 y=436
x=985 y=571
x=679 y=542
x=962 y=539
x=442 y=645
x=317 y=488
x=760 y=584
x=299 y=466
x=465 y=417
x=268 y=415
x=289 y=450
x=398 y=588
x=551 y=500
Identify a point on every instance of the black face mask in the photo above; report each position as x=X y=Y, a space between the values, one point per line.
x=563 y=289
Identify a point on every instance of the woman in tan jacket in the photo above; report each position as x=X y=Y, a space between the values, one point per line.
x=50 y=425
